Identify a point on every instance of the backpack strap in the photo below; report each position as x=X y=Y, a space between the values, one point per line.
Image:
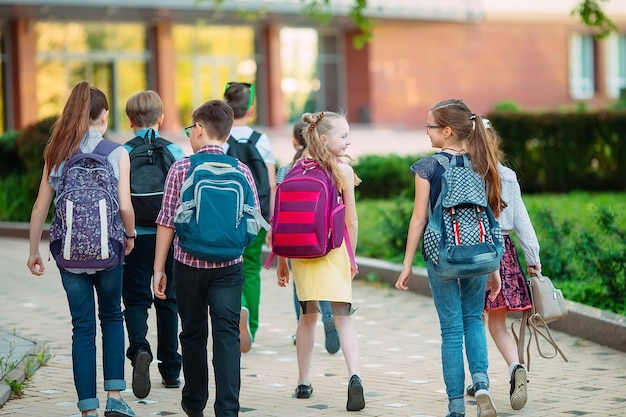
x=202 y=157
x=254 y=137
x=105 y=147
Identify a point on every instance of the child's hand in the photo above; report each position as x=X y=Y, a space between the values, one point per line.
x=159 y=282
x=495 y=283
x=404 y=277
x=282 y=272
x=35 y=264
x=534 y=269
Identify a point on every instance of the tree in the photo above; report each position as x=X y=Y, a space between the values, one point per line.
x=592 y=15
x=589 y=11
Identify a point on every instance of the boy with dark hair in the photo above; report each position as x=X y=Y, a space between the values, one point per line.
x=203 y=285
x=255 y=150
x=145 y=114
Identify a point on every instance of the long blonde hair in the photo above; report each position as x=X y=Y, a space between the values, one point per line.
x=317 y=125
x=482 y=147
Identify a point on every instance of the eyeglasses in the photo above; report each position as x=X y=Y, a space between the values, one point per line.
x=428 y=127
x=188 y=128
x=250 y=86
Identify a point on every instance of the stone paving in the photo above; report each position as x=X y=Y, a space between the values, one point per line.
x=400 y=356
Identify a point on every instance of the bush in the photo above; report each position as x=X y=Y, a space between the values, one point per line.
x=383 y=227
x=588 y=264
x=386 y=176
x=15 y=205
x=11 y=163
x=30 y=147
x=506 y=106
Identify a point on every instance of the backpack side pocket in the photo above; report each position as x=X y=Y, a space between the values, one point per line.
x=337 y=226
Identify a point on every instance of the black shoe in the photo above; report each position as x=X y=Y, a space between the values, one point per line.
x=171 y=382
x=455 y=415
x=304 y=391
x=518 y=392
x=470 y=390
x=141 y=374
x=191 y=413
x=356 y=401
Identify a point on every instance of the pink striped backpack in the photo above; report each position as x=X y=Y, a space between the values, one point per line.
x=309 y=215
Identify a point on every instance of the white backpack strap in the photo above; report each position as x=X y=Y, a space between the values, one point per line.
x=257 y=216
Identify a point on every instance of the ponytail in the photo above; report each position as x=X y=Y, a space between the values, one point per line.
x=84 y=105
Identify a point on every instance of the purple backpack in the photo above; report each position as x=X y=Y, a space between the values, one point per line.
x=87 y=229
x=309 y=215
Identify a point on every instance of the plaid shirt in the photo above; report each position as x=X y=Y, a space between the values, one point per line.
x=171 y=197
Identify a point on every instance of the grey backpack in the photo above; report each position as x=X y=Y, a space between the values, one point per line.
x=462 y=238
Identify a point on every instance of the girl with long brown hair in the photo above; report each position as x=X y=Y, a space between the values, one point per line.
x=80 y=129
x=456 y=130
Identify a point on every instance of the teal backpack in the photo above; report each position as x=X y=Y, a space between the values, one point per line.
x=216 y=218
x=462 y=238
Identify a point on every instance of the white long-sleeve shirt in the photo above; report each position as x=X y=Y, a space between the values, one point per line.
x=515 y=216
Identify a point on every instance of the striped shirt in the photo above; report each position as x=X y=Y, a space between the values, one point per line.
x=171 y=197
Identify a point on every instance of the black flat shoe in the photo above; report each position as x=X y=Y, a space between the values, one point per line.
x=356 y=401
x=304 y=391
x=171 y=383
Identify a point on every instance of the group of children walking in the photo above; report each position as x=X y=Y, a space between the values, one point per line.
x=154 y=268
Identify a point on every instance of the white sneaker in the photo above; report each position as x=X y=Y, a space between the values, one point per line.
x=245 y=336
x=484 y=401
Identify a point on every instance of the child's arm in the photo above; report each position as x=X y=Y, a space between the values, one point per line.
x=165 y=229
x=418 y=222
x=37 y=219
x=126 y=206
x=164 y=238
x=352 y=220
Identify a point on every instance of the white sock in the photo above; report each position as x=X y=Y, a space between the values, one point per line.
x=512 y=368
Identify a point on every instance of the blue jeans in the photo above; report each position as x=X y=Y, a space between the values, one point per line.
x=138 y=298
x=459 y=304
x=325 y=308
x=80 y=296
x=199 y=292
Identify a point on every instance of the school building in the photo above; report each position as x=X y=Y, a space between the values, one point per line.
x=534 y=53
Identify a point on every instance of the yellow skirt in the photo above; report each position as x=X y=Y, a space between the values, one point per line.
x=326 y=278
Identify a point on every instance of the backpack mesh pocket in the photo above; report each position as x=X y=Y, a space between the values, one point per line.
x=430 y=245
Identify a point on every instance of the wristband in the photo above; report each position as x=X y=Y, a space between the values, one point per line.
x=130 y=237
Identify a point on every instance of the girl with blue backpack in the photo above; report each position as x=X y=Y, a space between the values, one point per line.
x=78 y=134
x=459 y=302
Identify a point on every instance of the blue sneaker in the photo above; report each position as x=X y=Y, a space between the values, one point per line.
x=332 y=337
x=118 y=408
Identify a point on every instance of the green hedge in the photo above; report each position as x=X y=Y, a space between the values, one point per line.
x=560 y=152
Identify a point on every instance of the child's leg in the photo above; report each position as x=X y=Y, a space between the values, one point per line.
x=305 y=335
x=503 y=339
x=251 y=294
x=348 y=336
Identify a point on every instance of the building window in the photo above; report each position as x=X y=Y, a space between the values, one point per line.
x=616 y=65
x=207 y=58
x=311 y=68
x=111 y=57
x=582 y=66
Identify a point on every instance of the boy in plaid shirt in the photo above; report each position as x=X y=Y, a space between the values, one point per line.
x=203 y=285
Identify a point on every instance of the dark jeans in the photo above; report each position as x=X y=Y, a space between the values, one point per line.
x=217 y=291
x=138 y=298
x=79 y=289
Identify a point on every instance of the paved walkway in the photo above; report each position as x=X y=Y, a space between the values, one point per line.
x=400 y=356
